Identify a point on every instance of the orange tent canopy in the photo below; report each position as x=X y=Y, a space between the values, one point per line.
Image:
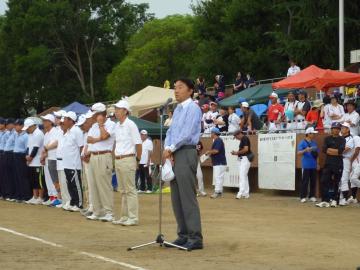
x=321 y=79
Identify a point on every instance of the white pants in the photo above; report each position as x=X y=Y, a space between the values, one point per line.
x=244 y=166
x=65 y=196
x=49 y=183
x=218 y=177
x=355 y=174
x=200 y=178
x=344 y=184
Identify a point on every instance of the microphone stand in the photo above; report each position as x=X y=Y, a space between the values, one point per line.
x=160 y=238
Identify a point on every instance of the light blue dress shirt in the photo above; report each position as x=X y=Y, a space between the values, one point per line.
x=4 y=139
x=1 y=140
x=185 y=127
x=10 y=142
x=21 y=141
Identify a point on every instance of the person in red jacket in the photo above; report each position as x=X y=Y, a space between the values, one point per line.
x=275 y=113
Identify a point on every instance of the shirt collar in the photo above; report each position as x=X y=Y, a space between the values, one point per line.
x=185 y=103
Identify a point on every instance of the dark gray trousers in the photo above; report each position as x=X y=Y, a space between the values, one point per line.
x=183 y=195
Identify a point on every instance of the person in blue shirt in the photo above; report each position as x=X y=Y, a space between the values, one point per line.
x=9 y=140
x=309 y=152
x=218 y=158
x=23 y=190
x=2 y=132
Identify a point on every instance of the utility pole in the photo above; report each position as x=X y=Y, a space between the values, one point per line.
x=341 y=35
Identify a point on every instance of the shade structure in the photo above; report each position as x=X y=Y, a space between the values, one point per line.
x=318 y=78
x=152 y=128
x=76 y=107
x=253 y=95
x=149 y=98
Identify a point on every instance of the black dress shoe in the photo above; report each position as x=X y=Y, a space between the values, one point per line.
x=193 y=245
x=178 y=242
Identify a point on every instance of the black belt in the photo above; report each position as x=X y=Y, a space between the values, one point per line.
x=187 y=147
x=299 y=121
x=8 y=152
x=289 y=122
x=59 y=159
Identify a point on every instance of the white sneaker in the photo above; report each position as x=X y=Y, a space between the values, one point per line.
x=343 y=202
x=38 y=201
x=333 y=203
x=323 y=204
x=352 y=200
x=140 y=191
x=48 y=202
x=59 y=205
x=312 y=199
x=130 y=222
x=303 y=200
x=107 y=218
x=246 y=196
x=216 y=195
x=148 y=192
x=93 y=217
x=67 y=206
x=74 y=209
x=202 y=194
x=120 y=221
x=30 y=201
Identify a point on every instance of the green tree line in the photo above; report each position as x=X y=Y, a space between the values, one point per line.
x=55 y=52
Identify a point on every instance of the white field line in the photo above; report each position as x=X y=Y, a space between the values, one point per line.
x=91 y=255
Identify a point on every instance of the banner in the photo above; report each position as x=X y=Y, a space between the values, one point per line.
x=276 y=161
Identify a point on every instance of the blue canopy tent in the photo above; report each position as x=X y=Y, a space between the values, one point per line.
x=76 y=107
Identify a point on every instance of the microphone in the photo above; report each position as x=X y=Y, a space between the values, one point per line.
x=169 y=100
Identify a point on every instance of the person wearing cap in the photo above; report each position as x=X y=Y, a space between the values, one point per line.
x=218 y=158
x=301 y=110
x=275 y=113
x=309 y=152
x=180 y=146
x=144 y=164
x=250 y=121
x=355 y=171
x=34 y=149
x=315 y=116
x=9 y=172
x=2 y=132
x=22 y=182
x=100 y=143
x=48 y=157
x=222 y=120
x=72 y=146
x=233 y=119
x=209 y=117
x=244 y=164
x=352 y=117
x=128 y=151
x=347 y=155
x=289 y=109
x=333 y=147
x=334 y=112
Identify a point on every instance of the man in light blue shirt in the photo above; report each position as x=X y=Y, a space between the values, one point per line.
x=9 y=142
x=180 y=146
x=2 y=132
x=22 y=182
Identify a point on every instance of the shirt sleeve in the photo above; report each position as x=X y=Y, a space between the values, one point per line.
x=39 y=140
x=341 y=146
x=110 y=128
x=301 y=146
x=217 y=145
x=135 y=134
x=325 y=145
x=79 y=137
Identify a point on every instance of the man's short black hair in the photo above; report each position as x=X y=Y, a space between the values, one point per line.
x=10 y=121
x=189 y=83
x=19 y=122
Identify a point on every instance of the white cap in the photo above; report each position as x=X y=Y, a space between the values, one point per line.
x=98 y=107
x=49 y=117
x=81 y=120
x=346 y=124
x=144 y=132
x=71 y=115
x=89 y=114
x=245 y=104
x=123 y=104
x=274 y=95
x=59 y=113
x=311 y=130
x=28 y=123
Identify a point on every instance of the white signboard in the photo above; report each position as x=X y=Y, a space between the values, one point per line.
x=354 y=56
x=276 y=161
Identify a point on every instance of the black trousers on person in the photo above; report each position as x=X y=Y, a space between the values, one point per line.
x=308 y=177
x=73 y=179
x=22 y=178
x=145 y=179
x=330 y=180
x=9 y=176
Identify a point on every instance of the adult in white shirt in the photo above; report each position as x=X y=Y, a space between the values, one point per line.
x=100 y=140
x=73 y=143
x=301 y=110
x=209 y=117
x=293 y=69
x=48 y=157
x=352 y=117
x=334 y=112
x=144 y=164
x=234 y=120
x=289 y=110
x=355 y=171
x=35 y=146
x=128 y=149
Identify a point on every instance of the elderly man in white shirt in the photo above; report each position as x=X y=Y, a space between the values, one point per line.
x=293 y=69
x=128 y=149
x=352 y=118
x=100 y=145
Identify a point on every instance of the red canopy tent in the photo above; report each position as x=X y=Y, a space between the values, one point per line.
x=321 y=79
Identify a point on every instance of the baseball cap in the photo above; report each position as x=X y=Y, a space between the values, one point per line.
x=144 y=132
x=19 y=122
x=89 y=114
x=213 y=103
x=317 y=103
x=71 y=115
x=49 y=117
x=345 y=124
x=245 y=104
x=205 y=106
x=59 y=113
x=123 y=104
x=311 y=130
x=28 y=123
x=336 y=125
x=98 y=107
x=81 y=120
x=273 y=95
x=215 y=131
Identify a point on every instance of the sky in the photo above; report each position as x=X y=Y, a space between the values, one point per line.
x=161 y=8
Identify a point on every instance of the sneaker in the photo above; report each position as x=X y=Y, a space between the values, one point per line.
x=38 y=201
x=312 y=199
x=333 y=203
x=202 y=194
x=55 y=202
x=107 y=218
x=246 y=196
x=66 y=207
x=352 y=200
x=120 y=221
x=93 y=217
x=343 y=202
x=216 y=195
x=59 y=205
x=48 y=202
x=238 y=196
x=303 y=200
x=323 y=204
x=74 y=209
x=8 y=199
x=130 y=222
x=140 y=191
x=148 y=192
x=30 y=201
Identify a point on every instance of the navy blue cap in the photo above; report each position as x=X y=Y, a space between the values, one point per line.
x=19 y=122
x=2 y=121
x=10 y=121
x=336 y=125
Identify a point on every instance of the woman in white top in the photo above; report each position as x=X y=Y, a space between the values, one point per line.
x=168 y=121
x=334 y=112
x=234 y=121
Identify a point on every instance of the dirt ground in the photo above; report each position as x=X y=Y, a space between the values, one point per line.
x=264 y=232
